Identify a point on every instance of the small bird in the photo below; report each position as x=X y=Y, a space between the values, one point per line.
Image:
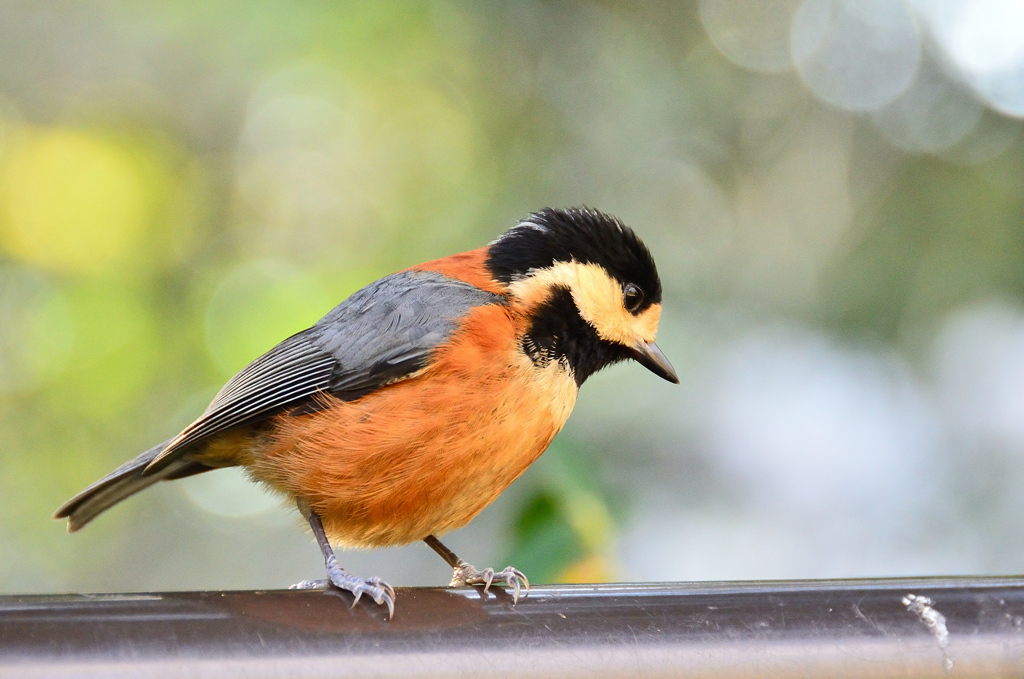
x=414 y=403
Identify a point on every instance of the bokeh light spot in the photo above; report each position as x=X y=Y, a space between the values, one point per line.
x=932 y=115
x=984 y=36
x=71 y=201
x=856 y=54
x=256 y=306
x=985 y=41
x=754 y=35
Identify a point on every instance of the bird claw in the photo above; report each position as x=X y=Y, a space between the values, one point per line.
x=381 y=592
x=466 y=574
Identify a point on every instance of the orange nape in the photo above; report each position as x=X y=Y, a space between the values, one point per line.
x=469 y=267
x=422 y=456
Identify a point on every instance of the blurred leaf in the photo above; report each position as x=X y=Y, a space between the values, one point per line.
x=564 y=532
x=544 y=543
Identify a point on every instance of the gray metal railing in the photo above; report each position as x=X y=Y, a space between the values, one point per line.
x=936 y=627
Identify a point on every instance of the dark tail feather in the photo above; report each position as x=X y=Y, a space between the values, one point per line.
x=123 y=482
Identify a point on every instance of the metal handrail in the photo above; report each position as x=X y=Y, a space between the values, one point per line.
x=924 y=627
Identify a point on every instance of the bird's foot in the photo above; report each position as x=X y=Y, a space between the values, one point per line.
x=466 y=574
x=378 y=590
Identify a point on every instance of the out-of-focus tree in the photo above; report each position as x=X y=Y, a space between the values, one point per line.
x=832 y=188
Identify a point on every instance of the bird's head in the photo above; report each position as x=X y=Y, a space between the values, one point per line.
x=590 y=287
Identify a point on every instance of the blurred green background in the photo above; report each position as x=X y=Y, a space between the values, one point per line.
x=833 y=190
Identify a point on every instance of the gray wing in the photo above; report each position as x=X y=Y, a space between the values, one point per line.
x=381 y=334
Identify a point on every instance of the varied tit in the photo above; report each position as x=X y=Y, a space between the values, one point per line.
x=414 y=403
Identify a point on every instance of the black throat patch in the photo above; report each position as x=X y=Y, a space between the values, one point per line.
x=557 y=332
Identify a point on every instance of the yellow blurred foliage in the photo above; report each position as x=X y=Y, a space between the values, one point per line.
x=589 y=517
x=70 y=201
x=592 y=568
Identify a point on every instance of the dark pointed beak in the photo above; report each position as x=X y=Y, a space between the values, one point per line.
x=650 y=356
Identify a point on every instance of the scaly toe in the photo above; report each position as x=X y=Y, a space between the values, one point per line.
x=311 y=584
x=378 y=590
x=465 y=574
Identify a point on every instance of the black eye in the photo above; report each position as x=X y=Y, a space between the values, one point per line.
x=632 y=297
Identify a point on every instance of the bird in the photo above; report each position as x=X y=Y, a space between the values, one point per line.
x=414 y=403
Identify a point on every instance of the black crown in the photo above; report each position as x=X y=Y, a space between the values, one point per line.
x=582 y=234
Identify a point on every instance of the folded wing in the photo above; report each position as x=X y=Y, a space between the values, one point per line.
x=382 y=334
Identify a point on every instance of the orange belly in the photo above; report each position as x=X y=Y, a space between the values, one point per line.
x=423 y=456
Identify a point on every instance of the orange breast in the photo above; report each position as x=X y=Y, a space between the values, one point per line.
x=423 y=456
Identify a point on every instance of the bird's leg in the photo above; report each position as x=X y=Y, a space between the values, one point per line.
x=378 y=590
x=466 y=574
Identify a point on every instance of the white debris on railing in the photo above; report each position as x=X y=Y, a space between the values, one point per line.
x=935 y=621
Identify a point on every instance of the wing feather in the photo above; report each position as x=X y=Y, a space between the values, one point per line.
x=383 y=333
